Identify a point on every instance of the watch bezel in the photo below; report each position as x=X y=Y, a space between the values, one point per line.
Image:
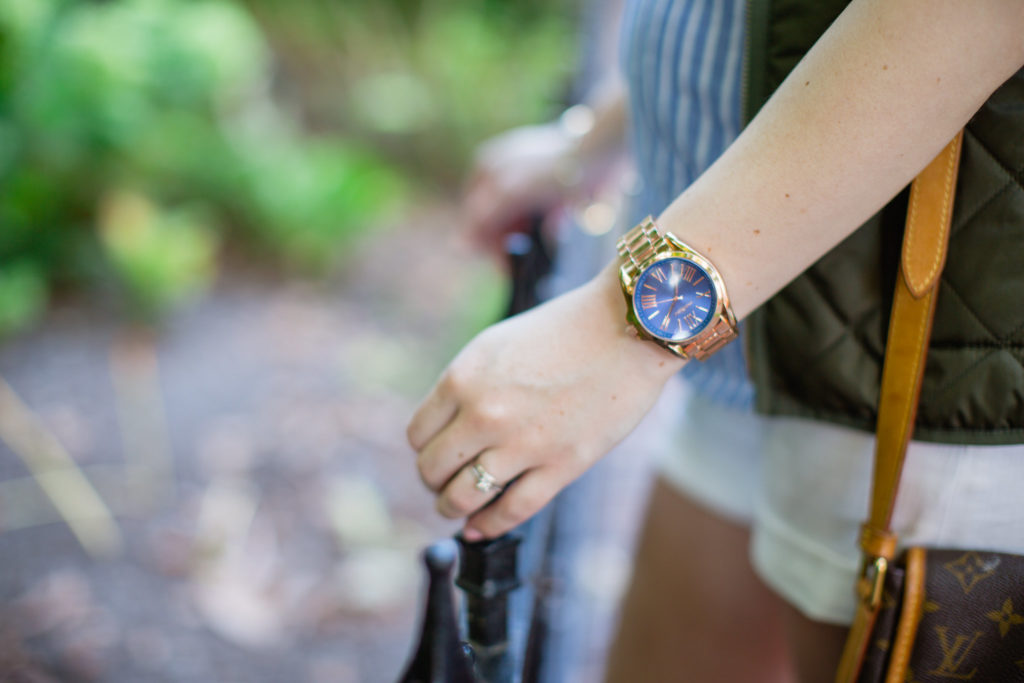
x=708 y=318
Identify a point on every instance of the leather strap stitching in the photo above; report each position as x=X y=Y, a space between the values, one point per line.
x=918 y=287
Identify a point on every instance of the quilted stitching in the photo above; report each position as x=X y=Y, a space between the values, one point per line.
x=848 y=326
x=989 y=337
x=993 y=346
x=963 y=215
x=974 y=339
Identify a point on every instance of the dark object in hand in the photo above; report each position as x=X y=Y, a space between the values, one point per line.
x=439 y=657
x=529 y=261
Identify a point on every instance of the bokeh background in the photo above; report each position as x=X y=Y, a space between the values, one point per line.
x=229 y=267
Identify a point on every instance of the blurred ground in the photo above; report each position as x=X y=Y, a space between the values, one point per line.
x=268 y=513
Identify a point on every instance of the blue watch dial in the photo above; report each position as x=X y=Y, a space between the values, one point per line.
x=674 y=299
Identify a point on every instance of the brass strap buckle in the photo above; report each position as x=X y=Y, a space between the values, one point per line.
x=872 y=581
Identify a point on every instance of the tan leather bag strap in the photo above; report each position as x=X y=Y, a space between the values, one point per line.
x=924 y=253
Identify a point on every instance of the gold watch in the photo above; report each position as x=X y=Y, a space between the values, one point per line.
x=674 y=296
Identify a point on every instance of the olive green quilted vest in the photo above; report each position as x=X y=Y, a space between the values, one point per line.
x=815 y=349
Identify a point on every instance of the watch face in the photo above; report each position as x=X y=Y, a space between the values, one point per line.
x=674 y=299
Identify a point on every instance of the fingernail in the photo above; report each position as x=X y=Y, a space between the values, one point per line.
x=471 y=534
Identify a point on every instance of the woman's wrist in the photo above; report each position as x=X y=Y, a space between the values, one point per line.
x=650 y=358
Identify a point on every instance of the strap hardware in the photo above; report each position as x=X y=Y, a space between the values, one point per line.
x=872 y=580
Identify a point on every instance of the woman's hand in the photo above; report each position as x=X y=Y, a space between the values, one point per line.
x=536 y=400
x=531 y=169
x=516 y=174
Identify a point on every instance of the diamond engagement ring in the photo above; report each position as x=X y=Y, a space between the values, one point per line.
x=485 y=481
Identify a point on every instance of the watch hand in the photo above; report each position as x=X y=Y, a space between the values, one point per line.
x=675 y=294
x=668 y=316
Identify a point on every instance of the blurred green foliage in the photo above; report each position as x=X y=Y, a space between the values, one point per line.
x=136 y=135
x=425 y=81
x=139 y=136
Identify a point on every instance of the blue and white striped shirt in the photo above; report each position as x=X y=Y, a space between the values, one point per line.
x=683 y=66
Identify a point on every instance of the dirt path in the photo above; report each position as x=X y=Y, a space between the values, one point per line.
x=252 y=453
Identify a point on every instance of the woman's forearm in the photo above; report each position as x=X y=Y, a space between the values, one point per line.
x=535 y=400
x=866 y=109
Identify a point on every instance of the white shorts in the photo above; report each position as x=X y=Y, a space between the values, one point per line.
x=803 y=487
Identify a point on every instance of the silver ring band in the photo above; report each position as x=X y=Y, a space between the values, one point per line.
x=485 y=481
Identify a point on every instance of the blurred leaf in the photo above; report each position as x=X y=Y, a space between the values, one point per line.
x=163 y=256
x=395 y=102
x=22 y=295
x=309 y=198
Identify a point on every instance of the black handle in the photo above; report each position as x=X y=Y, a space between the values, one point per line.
x=529 y=259
x=439 y=657
x=487 y=569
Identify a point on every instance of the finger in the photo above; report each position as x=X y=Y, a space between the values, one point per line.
x=476 y=175
x=491 y=210
x=481 y=211
x=462 y=495
x=433 y=415
x=450 y=449
x=521 y=500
